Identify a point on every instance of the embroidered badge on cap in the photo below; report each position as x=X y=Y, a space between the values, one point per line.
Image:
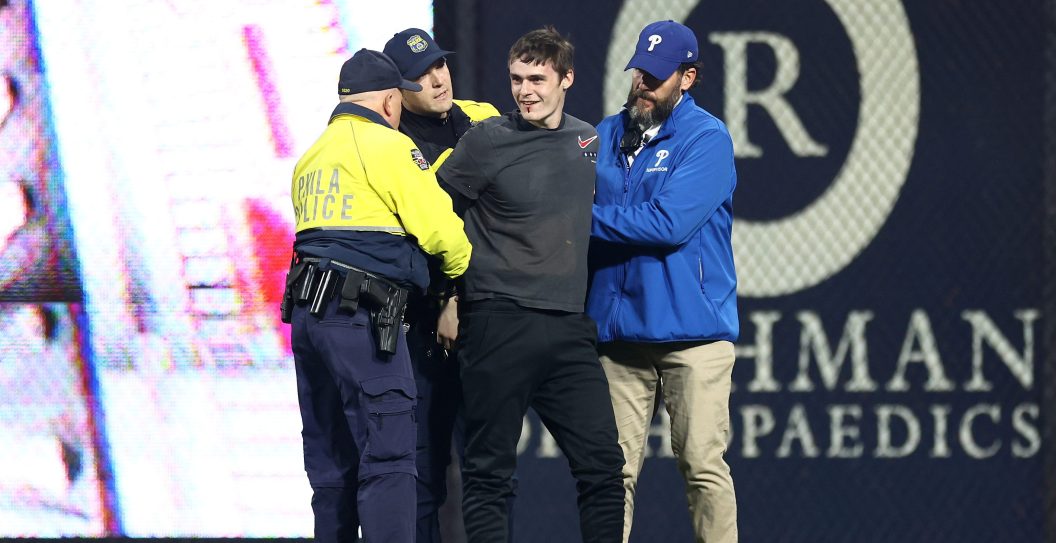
x=417 y=43
x=419 y=159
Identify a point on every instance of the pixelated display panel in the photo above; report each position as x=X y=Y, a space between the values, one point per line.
x=146 y=228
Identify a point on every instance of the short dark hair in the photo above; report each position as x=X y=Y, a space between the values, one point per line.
x=544 y=45
x=685 y=66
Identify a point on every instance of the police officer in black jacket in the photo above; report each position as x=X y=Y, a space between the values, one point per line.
x=435 y=121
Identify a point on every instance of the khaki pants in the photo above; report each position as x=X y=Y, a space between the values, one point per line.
x=694 y=379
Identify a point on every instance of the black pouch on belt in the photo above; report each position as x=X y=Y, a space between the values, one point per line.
x=311 y=278
x=327 y=282
x=288 y=299
x=350 y=291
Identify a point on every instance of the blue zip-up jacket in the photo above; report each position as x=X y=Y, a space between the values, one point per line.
x=661 y=255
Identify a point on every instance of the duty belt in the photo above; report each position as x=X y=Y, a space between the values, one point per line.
x=308 y=283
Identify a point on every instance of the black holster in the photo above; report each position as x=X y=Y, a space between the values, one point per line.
x=289 y=296
x=387 y=305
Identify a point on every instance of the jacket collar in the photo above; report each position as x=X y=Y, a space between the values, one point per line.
x=345 y=108
x=461 y=120
x=455 y=116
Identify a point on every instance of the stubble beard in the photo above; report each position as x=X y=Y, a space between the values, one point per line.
x=648 y=118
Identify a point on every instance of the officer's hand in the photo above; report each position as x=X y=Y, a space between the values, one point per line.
x=447 y=324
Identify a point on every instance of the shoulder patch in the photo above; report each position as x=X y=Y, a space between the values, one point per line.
x=419 y=159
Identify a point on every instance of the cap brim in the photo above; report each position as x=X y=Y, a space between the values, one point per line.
x=418 y=68
x=654 y=66
x=409 y=85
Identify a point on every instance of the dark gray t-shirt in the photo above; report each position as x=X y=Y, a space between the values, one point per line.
x=531 y=192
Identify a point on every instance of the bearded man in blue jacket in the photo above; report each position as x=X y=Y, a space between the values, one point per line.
x=663 y=288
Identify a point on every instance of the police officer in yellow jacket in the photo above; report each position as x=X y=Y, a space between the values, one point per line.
x=435 y=121
x=367 y=206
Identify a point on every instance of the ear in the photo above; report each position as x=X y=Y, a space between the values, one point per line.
x=392 y=102
x=688 y=78
x=566 y=81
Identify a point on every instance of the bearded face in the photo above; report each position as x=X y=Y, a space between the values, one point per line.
x=651 y=100
x=650 y=108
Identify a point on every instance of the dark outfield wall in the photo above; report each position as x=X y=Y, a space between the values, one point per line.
x=889 y=237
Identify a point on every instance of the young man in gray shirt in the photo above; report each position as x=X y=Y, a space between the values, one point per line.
x=525 y=184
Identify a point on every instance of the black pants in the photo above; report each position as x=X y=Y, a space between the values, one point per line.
x=439 y=422
x=513 y=358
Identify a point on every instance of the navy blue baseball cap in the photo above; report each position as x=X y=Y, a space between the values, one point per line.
x=414 y=51
x=371 y=71
x=662 y=47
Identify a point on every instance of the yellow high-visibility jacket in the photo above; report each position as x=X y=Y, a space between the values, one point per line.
x=363 y=177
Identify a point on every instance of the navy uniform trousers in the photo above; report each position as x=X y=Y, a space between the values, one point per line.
x=358 y=415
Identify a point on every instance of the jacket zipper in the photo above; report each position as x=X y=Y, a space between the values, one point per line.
x=621 y=271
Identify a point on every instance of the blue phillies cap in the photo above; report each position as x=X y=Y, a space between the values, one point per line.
x=662 y=47
x=371 y=71
x=414 y=51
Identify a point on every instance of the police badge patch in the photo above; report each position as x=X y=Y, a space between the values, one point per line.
x=419 y=159
x=417 y=44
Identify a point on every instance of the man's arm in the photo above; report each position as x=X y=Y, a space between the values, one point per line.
x=463 y=174
x=463 y=177
x=700 y=182
x=447 y=324
x=425 y=211
x=477 y=111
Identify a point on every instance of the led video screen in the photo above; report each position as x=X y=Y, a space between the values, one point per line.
x=146 y=384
